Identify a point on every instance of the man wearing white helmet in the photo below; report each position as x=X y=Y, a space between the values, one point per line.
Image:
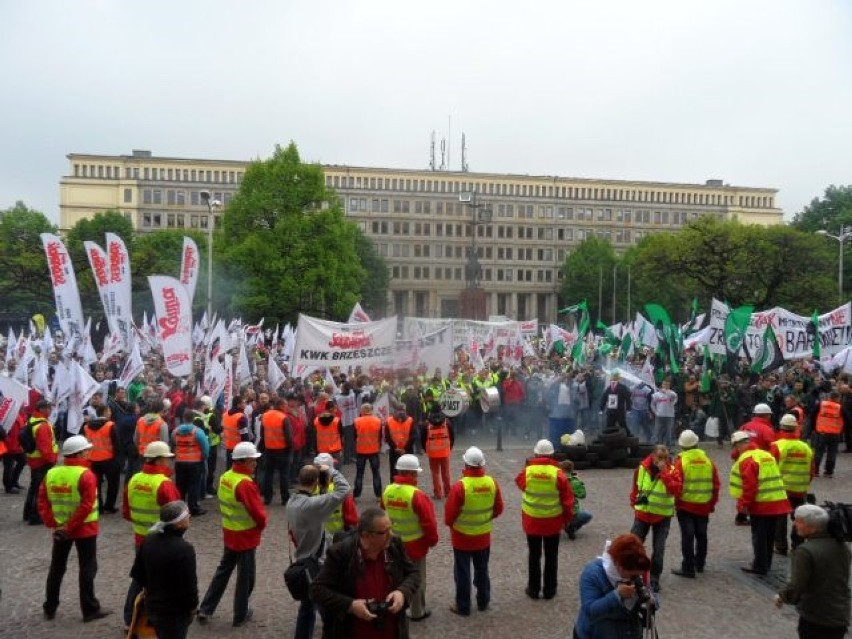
x=413 y=517
x=243 y=520
x=472 y=504
x=68 y=503
x=795 y=461
x=346 y=516
x=759 y=427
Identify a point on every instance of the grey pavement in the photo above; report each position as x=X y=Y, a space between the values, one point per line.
x=723 y=602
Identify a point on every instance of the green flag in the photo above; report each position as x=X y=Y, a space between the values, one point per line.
x=578 y=353
x=707 y=375
x=768 y=355
x=609 y=336
x=626 y=347
x=735 y=329
x=817 y=339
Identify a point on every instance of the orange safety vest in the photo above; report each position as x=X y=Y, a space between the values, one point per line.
x=231 y=429
x=187 y=448
x=368 y=430
x=400 y=431
x=274 y=436
x=148 y=432
x=328 y=437
x=829 y=421
x=101 y=440
x=438 y=441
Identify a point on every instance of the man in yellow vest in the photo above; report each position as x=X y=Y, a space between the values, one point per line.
x=144 y=494
x=795 y=461
x=653 y=501
x=413 y=517
x=696 y=492
x=346 y=516
x=68 y=503
x=472 y=504
x=757 y=486
x=829 y=432
x=41 y=459
x=243 y=520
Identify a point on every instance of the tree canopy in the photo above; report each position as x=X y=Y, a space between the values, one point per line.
x=24 y=280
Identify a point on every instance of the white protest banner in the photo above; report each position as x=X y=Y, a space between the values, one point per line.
x=99 y=261
x=432 y=351
x=791 y=330
x=13 y=398
x=189 y=264
x=69 y=310
x=324 y=343
x=529 y=327
x=120 y=288
x=174 y=323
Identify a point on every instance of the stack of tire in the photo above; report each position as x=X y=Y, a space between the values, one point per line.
x=614 y=448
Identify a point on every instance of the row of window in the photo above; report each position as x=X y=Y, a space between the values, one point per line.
x=175 y=197
x=488 y=275
x=513 y=189
x=449 y=251
x=113 y=172
x=154 y=220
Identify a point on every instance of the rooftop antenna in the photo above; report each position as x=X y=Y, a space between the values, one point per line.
x=443 y=166
x=449 y=139
x=464 y=166
x=432 y=152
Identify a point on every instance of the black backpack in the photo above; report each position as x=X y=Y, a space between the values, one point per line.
x=27 y=436
x=839 y=520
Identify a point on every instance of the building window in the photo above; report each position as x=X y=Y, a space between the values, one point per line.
x=146 y=196
x=171 y=198
x=158 y=196
x=128 y=196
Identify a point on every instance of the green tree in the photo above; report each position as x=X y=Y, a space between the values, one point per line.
x=829 y=212
x=593 y=259
x=286 y=247
x=25 y=286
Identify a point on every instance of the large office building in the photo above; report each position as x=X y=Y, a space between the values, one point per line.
x=425 y=223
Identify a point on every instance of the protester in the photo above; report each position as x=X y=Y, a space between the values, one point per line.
x=275 y=443
x=191 y=450
x=368 y=444
x=438 y=440
x=345 y=517
x=615 y=403
x=399 y=436
x=581 y=517
x=41 y=459
x=795 y=462
x=103 y=435
x=663 y=407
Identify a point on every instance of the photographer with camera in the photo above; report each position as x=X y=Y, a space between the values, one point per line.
x=366 y=583
x=615 y=602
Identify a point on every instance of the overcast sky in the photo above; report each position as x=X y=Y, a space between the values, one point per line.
x=755 y=93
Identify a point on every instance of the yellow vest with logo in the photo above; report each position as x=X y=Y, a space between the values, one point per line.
x=770 y=486
x=660 y=500
x=476 y=516
x=142 y=498
x=697 y=477
x=35 y=423
x=62 y=485
x=335 y=523
x=795 y=462
x=215 y=438
x=541 y=497
x=234 y=513
x=399 y=504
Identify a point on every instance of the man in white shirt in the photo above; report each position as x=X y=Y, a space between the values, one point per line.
x=663 y=404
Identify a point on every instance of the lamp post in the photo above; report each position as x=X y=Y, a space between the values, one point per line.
x=845 y=234
x=211 y=204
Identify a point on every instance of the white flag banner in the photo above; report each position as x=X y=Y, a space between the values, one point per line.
x=62 y=383
x=82 y=389
x=646 y=334
x=189 y=265
x=120 y=288
x=11 y=342
x=228 y=391
x=529 y=327
x=69 y=310
x=174 y=321
x=99 y=261
x=133 y=367
x=843 y=361
x=274 y=375
x=697 y=339
x=243 y=368
x=13 y=398
x=434 y=350
x=324 y=343
x=381 y=407
x=358 y=314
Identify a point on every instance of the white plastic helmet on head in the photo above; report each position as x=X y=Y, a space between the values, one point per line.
x=207 y=401
x=75 y=444
x=474 y=457
x=245 y=450
x=788 y=422
x=409 y=462
x=158 y=449
x=762 y=409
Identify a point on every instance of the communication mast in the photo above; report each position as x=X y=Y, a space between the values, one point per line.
x=443 y=166
x=432 y=152
x=464 y=166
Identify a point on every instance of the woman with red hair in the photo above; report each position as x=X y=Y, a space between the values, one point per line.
x=610 y=603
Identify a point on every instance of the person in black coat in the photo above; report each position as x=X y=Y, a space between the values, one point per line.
x=353 y=568
x=615 y=402
x=165 y=567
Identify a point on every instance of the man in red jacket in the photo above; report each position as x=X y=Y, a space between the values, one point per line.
x=473 y=503
x=413 y=517
x=757 y=486
x=15 y=459
x=41 y=459
x=760 y=427
x=68 y=503
x=514 y=394
x=548 y=506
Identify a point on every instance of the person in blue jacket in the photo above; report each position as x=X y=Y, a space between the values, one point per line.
x=610 y=604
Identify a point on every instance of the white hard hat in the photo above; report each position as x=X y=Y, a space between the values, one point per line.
x=75 y=444
x=788 y=422
x=687 y=439
x=740 y=436
x=543 y=447
x=206 y=400
x=245 y=450
x=167 y=403
x=408 y=462
x=324 y=459
x=158 y=449
x=762 y=409
x=473 y=457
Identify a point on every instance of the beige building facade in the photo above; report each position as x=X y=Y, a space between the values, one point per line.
x=422 y=222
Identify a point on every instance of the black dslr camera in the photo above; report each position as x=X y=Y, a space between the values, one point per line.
x=380 y=609
x=642 y=590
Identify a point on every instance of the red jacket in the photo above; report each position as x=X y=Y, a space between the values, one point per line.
x=425 y=511
x=702 y=510
x=749 y=470
x=547 y=526
x=249 y=495
x=88 y=487
x=452 y=509
x=44 y=444
x=668 y=478
x=513 y=391
x=168 y=491
x=762 y=433
x=13 y=437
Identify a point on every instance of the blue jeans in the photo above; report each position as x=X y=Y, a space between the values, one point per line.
x=581 y=518
x=640 y=424
x=461 y=572
x=663 y=430
x=661 y=533
x=558 y=426
x=693 y=541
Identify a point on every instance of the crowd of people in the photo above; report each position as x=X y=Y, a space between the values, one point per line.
x=175 y=447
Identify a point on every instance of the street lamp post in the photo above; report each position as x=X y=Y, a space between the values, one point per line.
x=845 y=234
x=211 y=204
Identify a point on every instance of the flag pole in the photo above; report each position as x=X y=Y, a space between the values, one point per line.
x=614 y=269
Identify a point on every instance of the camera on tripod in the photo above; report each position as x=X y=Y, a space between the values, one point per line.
x=642 y=591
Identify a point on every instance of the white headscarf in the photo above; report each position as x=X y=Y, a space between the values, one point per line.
x=160 y=526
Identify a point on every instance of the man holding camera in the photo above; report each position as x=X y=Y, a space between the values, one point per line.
x=366 y=582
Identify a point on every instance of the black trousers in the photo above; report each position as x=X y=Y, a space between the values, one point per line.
x=360 y=463
x=781 y=526
x=811 y=630
x=276 y=461
x=171 y=626
x=212 y=459
x=762 y=539
x=88 y=560
x=109 y=470
x=693 y=541
x=31 y=504
x=13 y=466
x=550 y=544
x=244 y=562
x=187 y=476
